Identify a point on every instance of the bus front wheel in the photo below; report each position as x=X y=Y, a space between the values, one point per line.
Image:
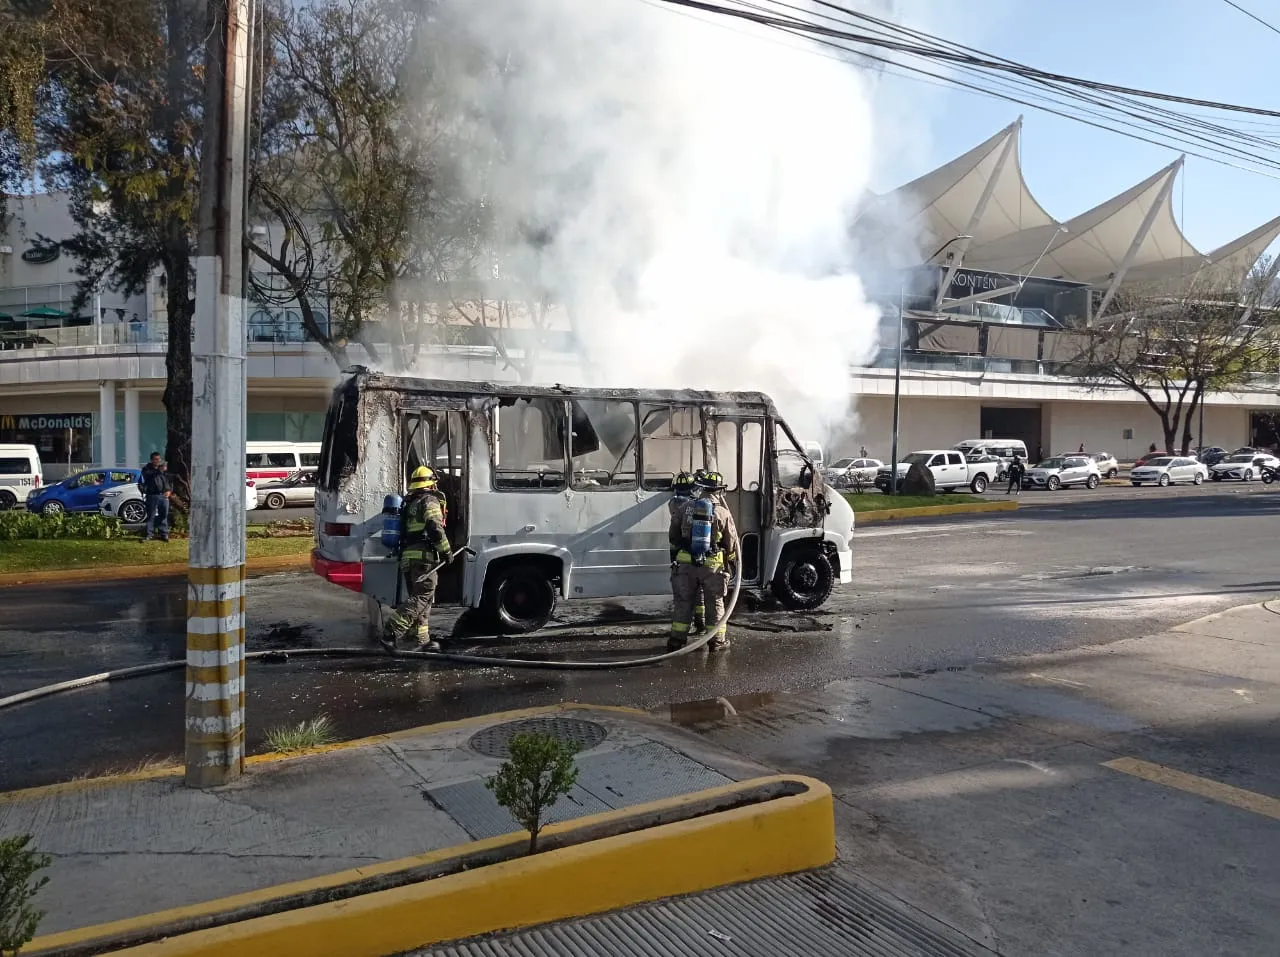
x=804 y=578
x=519 y=599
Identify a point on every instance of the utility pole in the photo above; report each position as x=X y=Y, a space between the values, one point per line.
x=215 y=593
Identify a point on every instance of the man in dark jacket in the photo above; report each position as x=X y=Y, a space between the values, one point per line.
x=1016 y=471
x=156 y=488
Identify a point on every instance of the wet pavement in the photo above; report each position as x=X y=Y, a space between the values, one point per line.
x=927 y=597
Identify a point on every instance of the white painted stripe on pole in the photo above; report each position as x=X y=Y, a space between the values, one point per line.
x=214 y=691
x=218 y=757
x=215 y=659
x=215 y=626
x=215 y=725
x=226 y=592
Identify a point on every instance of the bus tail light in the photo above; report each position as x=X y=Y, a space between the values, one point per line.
x=348 y=575
x=338 y=529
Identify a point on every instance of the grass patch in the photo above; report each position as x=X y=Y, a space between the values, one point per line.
x=43 y=554
x=876 y=502
x=315 y=733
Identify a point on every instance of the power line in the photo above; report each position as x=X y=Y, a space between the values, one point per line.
x=1049 y=97
x=1252 y=16
x=1004 y=66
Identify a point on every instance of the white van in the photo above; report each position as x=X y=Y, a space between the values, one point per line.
x=265 y=461
x=20 y=472
x=1003 y=449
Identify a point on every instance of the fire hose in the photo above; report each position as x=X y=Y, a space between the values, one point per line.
x=488 y=661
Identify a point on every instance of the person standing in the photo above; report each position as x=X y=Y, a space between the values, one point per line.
x=157 y=489
x=682 y=494
x=424 y=545
x=705 y=540
x=1016 y=471
x=862 y=452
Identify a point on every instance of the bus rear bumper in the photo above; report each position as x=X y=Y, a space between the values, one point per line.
x=348 y=575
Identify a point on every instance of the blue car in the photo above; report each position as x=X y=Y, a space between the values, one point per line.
x=79 y=492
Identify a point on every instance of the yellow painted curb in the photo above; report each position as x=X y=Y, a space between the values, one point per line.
x=255 y=760
x=888 y=514
x=79 y=576
x=778 y=836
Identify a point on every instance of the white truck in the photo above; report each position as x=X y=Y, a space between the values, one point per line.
x=951 y=470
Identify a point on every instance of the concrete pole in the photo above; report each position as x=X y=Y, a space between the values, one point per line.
x=107 y=424
x=215 y=595
x=132 y=452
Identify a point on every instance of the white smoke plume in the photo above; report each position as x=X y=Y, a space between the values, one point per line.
x=690 y=181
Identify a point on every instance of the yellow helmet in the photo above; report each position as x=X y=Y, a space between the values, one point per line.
x=422 y=477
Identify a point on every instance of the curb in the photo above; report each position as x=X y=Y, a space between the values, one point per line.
x=778 y=835
x=927 y=511
x=256 y=760
x=80 y=576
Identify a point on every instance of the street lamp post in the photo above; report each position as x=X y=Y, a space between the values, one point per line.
x=897 y=367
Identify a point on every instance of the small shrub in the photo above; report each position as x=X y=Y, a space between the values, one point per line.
x=540 y=771
x=15 y=526
x=18 y=885
x=302 y=737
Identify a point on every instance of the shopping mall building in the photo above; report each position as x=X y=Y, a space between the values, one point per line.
x=985 y=352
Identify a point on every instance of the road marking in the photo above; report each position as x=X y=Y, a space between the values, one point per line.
x=1203 y=787
x=1061 y=681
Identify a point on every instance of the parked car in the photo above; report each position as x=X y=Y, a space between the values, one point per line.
x=20 y=474
x=1243 y=466
x=951 y=470
x=1211 y=455
x=1063 y=470
x=79 y=492
x=126 y=503
x=1002 y=449
x=844 y=471
x=298 y=489
x=1169 y=469
x=1107 y=464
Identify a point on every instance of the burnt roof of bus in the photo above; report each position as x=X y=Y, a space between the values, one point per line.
x=457 y=387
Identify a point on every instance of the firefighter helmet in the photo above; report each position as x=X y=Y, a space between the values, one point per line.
x=712 y=481
x=423 y=477
x=683 y=484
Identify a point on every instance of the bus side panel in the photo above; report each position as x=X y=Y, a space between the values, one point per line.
x=611 y=543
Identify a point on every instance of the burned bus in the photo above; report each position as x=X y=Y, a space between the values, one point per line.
x=562 y=492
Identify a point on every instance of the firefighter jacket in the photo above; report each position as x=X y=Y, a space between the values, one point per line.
x=422 y=527
x=724 y=537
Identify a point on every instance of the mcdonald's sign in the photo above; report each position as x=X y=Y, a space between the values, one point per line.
x=45 y=423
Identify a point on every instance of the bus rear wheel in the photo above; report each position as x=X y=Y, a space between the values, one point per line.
x=519 y=599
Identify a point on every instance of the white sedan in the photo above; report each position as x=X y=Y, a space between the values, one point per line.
x=126 y=503
x=1168 y=470
x=847 y=471
x=1243 y=466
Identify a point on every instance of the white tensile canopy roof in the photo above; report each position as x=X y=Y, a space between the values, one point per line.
x=1131 y=238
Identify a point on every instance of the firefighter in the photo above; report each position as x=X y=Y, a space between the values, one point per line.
x=423 y=547
x=683 y=492
x=705 y=541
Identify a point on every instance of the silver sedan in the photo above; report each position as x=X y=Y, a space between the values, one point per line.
x=298 y=489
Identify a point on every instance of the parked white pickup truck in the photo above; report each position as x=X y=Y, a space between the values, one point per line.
x=951 y=470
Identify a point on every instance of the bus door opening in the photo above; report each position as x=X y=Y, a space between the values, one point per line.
x=438 y=438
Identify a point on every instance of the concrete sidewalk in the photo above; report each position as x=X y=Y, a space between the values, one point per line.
x=144 y=843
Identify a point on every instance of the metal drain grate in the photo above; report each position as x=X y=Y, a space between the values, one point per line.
x=493 y=741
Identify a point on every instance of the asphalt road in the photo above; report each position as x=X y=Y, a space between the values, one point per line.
x=1072 y=568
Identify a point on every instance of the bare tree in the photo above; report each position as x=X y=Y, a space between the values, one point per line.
x=1173 y=345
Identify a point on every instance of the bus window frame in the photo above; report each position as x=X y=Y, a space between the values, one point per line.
x=642 y=465
x=496 y=441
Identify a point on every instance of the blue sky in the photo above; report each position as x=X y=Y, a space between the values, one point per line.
x=1197 y=48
